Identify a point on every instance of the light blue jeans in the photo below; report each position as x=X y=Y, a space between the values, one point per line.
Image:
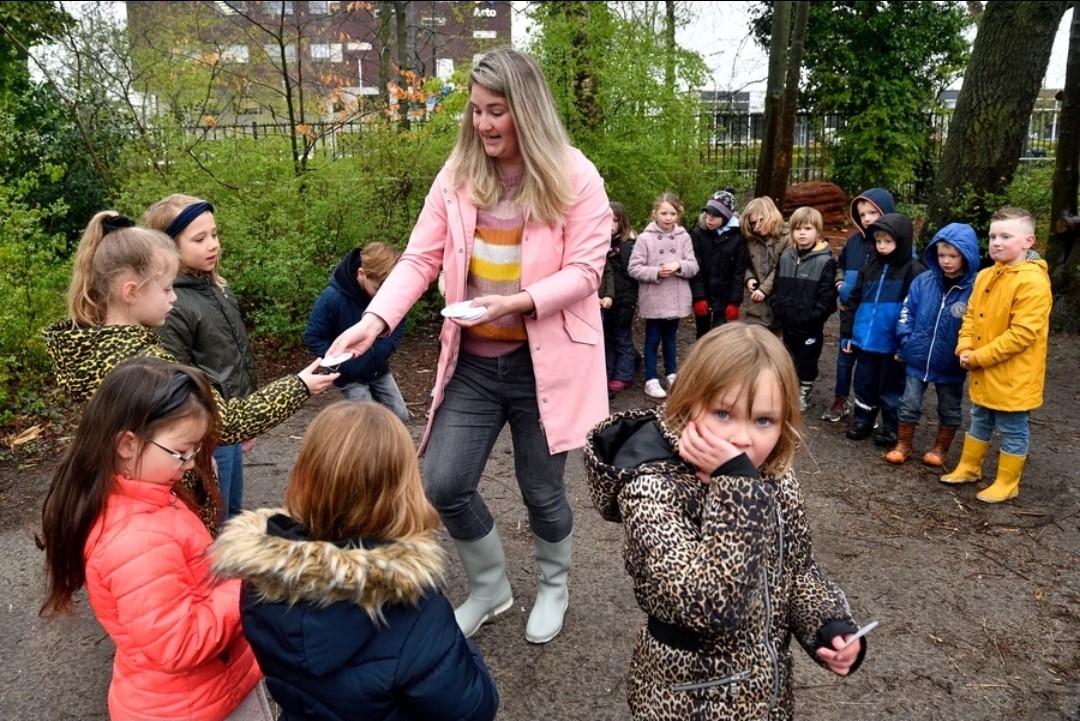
x=484 y=395
x=1012 y=425
x=384 y=390
x=949 y=396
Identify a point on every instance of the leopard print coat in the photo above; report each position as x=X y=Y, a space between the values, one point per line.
x=81 y=356
x=724 y=570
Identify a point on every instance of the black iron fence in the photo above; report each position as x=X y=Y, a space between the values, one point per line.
x=731 y=141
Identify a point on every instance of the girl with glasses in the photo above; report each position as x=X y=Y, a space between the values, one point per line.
x=118 y=521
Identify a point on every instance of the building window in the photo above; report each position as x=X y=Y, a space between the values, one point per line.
x=444 y=68
x=326 y=52
x=273 y=51
x=484 y=34
x=318 y=8
x=234 y=54
x=277 y=7
x=357 y=47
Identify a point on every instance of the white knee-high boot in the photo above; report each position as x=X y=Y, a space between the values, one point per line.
x=489 y=588
x=552 y=596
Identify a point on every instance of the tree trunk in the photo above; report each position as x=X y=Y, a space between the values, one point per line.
x=786 y=131
x=774 y=96
x=1064 y=223
x=589 y=114
x=386 y=58
x=401 y=30
x=990 y=123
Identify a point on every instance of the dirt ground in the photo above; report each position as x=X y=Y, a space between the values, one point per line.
x=979 y=605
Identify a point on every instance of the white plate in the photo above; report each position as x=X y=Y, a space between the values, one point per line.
x=464 y=310
x=332 y=361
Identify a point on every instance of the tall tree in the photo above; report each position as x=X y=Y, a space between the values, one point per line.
x=1064 y=222
x=774 y=100
x=990 y=123
x=785 y=134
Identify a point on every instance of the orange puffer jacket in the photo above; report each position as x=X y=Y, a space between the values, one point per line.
x=180 y=648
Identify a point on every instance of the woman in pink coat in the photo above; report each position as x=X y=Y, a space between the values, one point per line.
x=519 y=223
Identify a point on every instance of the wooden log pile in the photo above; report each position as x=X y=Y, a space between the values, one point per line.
x=829 y=199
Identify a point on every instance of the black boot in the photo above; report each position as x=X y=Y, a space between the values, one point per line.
x=886 y=435
x=862 y=422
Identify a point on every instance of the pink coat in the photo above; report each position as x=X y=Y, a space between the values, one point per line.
x=667 y=298
x=561 y=266
x=180 y=648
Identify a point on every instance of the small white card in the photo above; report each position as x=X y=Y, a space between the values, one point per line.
x=333 y=361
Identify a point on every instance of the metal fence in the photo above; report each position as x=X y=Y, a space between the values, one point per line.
x=731 y=141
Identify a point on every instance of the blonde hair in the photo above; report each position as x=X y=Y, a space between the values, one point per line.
x=356 y=476
x=545 y=187
x=160 y=216
x=807 y=216
x=736 y=355
x=1014 y=213
x=105 y=253
x=377 y=260
x=763 y=207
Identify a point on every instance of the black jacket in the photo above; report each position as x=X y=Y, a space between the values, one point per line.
x=624 y=300
x=721 y=256
x=804 y=295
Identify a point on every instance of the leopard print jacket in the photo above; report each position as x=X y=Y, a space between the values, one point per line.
x=81 y=356
x=724 y=570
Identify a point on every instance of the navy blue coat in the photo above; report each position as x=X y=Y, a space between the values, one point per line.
x=340 y=306
x=931 y=316
x=352 y=630
x=859 y=249
x=880 y=289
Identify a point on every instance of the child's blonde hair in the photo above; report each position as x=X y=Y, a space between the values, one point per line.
x=356 y=476
x=377 y=260
x=671 y=199
x=766 y=209
x=807 y=216
x=545 y=188
x=109 y=246
x=1013 y=213
x=160 y=216
x=735 y=355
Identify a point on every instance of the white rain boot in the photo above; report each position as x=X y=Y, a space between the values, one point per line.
x=552 y=596
x=489 y=588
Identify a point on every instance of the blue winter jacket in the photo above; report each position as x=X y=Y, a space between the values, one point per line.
x=931 y=316
x=340 y=306
x=352 y=629
x=880 y=290
x=858 y=250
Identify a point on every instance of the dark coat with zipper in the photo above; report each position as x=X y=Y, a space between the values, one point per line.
x=354 y=629
x=804 y=295
x=205 y=329
x=624 y=289
x=722 y=260
x=340 y=306
x=724 y=570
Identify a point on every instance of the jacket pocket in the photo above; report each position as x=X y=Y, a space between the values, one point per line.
x=578 y=329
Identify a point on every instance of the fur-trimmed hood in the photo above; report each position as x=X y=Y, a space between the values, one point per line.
x=272 y=553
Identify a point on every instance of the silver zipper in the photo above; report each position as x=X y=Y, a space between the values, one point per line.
x=740 y=676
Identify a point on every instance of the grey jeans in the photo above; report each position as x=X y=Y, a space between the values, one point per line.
x=484 y=395
x=383 y=389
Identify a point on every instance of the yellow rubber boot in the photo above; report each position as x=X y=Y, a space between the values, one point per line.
x=1007 y=483
x=971 y=460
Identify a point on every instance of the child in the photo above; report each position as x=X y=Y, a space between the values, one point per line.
x=870 y=329
x=928 y=329
x=717 y=541
x=619 y=345
x=121 y=289
x=865 y=209
x=1002 y=344
x=717 y=289
x=662 y=262
x=766 y=240
x=205 y=328
x=805 y=296
x=340 y=599
x=118 y=521
x=352 y=286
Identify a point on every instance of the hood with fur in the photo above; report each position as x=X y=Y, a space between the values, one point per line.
x=272 y=553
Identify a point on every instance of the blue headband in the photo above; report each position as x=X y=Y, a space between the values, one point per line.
x=187 y=215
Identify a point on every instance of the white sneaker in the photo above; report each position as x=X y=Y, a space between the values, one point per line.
x=653 y=389
x=670 y=379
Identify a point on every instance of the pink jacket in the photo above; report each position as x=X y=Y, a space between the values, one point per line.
x=180 y=648
x=561 y=265
x=667 y=298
